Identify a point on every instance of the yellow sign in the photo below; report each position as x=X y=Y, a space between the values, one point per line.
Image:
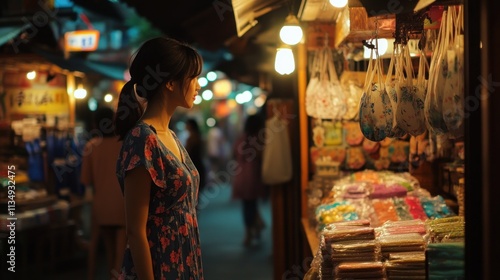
x=28 y=100
x=81 y=40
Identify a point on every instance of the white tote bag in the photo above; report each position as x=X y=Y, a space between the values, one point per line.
x=277 y=157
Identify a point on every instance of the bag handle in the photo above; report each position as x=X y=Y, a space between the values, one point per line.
x=437 y=57
x=423 y=67
x=408 y=67
x=388 y=78
x=369 y=73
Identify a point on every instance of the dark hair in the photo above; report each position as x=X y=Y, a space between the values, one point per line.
x=253 y=125
x=103 y=118
x=158 y=61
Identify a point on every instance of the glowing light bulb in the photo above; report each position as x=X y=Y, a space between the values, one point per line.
x=291 y=33
x=338 y=3
x=207 y=94
x=80 y=93
x=108 y=97
x=285 y=62
x=211 y=76
x=31 y=75
x=202 y=81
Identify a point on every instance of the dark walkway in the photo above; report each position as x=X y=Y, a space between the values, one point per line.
x=224 y=256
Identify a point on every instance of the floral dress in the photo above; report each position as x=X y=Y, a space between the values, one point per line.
x=172 y=227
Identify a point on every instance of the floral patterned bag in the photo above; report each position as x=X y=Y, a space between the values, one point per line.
x=453 y=94
x=325 y=98
x=433 y=109
x=390 y=86
x=409 y=111
x=375 y=112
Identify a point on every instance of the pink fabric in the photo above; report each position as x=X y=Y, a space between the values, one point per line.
x=247 y=175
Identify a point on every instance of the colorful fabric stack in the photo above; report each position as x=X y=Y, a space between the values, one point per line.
x=449 y=229
x=385 y=210
x=397 y=243
x=407 y=265
x=445 y=261
x=360 y=270
x=339 y=241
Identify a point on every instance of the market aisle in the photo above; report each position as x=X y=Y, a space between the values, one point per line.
x=221 y=231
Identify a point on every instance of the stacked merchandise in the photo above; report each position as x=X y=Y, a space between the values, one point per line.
x=346 y=241
x=402 y=246
x=360 y=270
x=445 y=261
x=402 y=266
x=381 y=196
x=395 y=250
x=445 y=251
x=403 y=254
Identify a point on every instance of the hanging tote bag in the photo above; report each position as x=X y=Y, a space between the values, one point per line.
x=390 y=86
x=277 y=157
x=375 y=113
x=352 y=87
x=409 y=112
x=325 y=98
x=312 y=87
x=453 y=94
x=433 y=110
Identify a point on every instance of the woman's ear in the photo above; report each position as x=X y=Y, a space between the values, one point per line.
x=170 y=85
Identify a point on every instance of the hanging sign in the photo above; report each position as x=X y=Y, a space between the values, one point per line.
x=81 y=40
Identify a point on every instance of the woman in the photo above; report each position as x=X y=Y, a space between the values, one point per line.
x=156 y=175
x=247 y=184
x=108 y=214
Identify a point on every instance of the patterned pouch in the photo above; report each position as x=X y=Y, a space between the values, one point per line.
x=409 y=111
x=396 y=130
x=375 y=114
x=438 y=72
x=453 y=95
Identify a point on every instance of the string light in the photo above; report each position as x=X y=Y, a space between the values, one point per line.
x=291 y=32
x=285 y=62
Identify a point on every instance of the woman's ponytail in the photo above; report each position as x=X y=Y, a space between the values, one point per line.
x=128 y=111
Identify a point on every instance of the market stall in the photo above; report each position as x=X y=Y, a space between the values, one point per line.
x=40 y=194
x=384 y=195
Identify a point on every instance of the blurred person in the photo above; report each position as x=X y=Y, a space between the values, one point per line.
x=156 y=175
x=247 y=184
x=215 y=149
x=194 y=147
x=108 y=212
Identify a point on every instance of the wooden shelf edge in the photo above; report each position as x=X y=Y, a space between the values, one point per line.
x=312 y=237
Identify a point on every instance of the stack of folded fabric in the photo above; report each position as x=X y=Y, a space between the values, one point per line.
x=401 y=227
x=385 y=210
x=407 y=265
x=415 y=208
x=449 y=229
x=387 y=191
x=344 y=239
x=360 y=270
x=402 y=209
x=445 y=261
x=398 y=243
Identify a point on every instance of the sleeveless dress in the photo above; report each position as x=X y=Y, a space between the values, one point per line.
x=172 y=227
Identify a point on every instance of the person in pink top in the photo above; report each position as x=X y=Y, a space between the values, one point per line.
x=247 y=184
x=108 y=211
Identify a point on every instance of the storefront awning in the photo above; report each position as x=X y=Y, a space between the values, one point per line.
x=114 y=71
x=7 y=33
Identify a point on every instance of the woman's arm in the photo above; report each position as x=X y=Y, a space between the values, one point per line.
x=137 y=188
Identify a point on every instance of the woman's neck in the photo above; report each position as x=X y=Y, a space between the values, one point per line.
x=158 y=114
